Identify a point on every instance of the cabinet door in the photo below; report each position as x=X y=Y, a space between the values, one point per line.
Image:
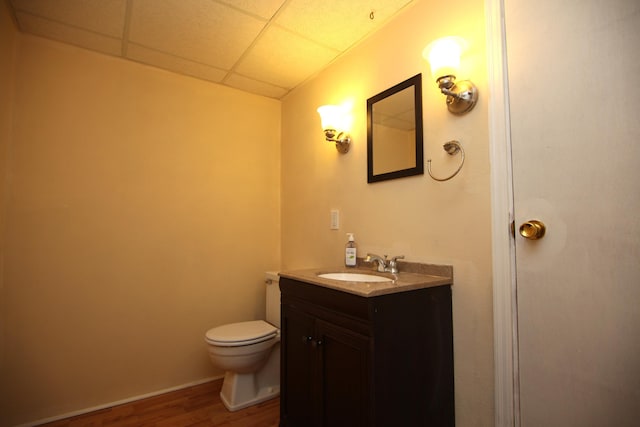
x=344 y=376
x=297 y=400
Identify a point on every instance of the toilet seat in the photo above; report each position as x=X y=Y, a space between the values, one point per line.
x=242 y=333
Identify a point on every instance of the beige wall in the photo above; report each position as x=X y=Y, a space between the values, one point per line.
x=425 y=220
x=143 y=209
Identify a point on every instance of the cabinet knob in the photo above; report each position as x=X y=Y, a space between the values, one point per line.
x=316 y=343
x=306 y=339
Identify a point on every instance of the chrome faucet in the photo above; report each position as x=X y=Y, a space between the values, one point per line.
x=382 y=262
x=383 y=267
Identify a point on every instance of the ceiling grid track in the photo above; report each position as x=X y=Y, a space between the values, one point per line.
x=126 y=27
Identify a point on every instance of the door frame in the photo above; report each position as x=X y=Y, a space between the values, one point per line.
x=505 y=315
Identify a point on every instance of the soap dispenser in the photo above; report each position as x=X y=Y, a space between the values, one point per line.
x=350 y=251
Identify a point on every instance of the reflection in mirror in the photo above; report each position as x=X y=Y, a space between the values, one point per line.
x=394 y=132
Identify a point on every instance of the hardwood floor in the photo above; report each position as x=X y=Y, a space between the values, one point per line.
x=195 y=406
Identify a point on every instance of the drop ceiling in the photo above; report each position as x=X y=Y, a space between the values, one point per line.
x=266 y=47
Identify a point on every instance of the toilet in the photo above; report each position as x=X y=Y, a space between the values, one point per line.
x=249 y=352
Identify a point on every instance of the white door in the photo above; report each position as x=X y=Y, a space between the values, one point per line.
x=574 y=96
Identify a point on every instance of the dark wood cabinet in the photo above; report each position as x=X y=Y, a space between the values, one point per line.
x=349 y=360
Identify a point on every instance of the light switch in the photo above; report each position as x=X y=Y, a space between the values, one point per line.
x=335 y=219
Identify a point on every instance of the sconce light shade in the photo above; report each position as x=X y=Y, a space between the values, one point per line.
x=330 y=116
x=444 y=58
x=333 y=119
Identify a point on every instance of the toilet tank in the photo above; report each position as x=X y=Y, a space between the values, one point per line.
x=272 y=281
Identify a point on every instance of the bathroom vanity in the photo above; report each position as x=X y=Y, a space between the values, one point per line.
x=366 y=354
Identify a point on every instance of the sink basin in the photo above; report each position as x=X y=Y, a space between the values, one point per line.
x=354 y=277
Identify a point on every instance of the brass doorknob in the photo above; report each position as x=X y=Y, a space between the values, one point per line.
x=533 y=229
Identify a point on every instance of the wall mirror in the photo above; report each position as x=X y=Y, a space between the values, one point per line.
x=394 y=132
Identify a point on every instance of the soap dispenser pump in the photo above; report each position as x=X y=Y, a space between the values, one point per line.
x=350 y=251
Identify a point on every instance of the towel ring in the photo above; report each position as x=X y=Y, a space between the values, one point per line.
x=451 y=147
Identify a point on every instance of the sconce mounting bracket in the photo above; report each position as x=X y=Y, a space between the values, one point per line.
x=343 y=141
x=461 y=97
x=343 y=146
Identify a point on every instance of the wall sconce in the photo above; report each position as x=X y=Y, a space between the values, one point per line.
x=332 y=117
x=444 y=57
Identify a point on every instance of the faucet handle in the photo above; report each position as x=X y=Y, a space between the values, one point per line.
x=393 y=264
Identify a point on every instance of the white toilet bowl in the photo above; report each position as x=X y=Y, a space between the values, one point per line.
x=249 y=353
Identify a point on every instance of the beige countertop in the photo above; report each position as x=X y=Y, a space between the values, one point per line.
x=414 y=276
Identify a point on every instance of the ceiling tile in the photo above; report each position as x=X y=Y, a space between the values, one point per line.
x=284 y=59
x=173 y=63
x=266 y=47
x=198 y=30
x=262 y=8
x=254 y=86
x=396 y=111
x=397 y=104
x=102 y=16
x=64 y=33
x=337 y=24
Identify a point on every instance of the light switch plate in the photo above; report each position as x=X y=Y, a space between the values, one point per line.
x=335 y=219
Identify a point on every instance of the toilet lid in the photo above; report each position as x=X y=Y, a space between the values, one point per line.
x=242 y=333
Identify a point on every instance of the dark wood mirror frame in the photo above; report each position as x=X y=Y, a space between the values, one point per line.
x=412 y=168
